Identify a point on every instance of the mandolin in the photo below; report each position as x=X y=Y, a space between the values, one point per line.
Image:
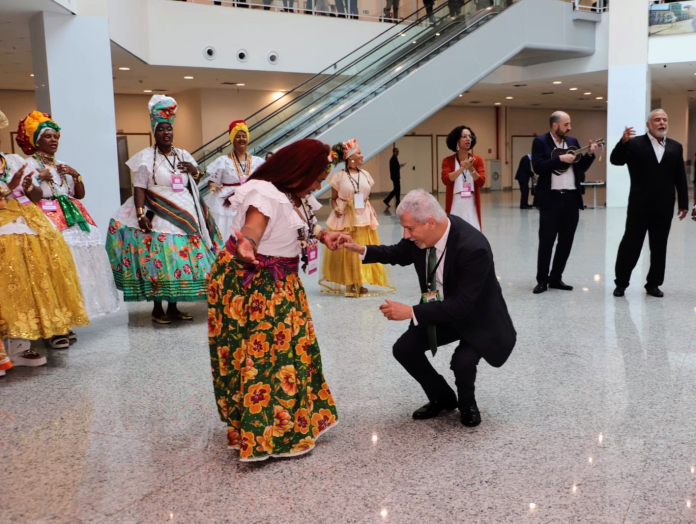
x=578 y=152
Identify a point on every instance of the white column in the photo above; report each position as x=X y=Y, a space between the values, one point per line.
x=629 y=85
x=677 y=108
x=73 y=76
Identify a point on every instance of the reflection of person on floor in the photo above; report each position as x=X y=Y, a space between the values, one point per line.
x=656 y=166
x=523 y=176
x=461 y=302
x=395 y=175
x=342 y=272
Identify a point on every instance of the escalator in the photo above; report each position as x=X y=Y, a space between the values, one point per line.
x=392 y=83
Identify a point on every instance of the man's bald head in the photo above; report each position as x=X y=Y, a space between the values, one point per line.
x=559 y=122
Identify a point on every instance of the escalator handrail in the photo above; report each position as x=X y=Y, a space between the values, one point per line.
x=418 y=21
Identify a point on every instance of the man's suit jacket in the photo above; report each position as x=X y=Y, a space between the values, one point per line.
x=544 y=166
x=524 y=170
x=653 y=184
x=473 y=305
x=394 y=168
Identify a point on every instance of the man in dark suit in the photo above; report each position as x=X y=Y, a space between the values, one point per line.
x=559 y=197
x=523 y=176
x=395 y=175
x=462 y=302
x=656 y=166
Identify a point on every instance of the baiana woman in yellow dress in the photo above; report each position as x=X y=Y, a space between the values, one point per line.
x=342 y=271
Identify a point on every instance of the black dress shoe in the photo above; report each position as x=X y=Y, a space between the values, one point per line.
x=471 y=416
x=540 y=288
x=654 y=291
x=559 y=284
x=619 y=291
x=386 y=203
x=433 y=409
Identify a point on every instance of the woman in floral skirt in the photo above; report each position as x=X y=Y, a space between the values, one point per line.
x=162 y=241
x=266 y=364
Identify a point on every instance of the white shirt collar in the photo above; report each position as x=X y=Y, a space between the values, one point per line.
x=559 y=144
x=656 y=141
x=441 y=244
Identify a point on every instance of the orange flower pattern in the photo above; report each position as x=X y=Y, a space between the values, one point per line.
x=265 y=361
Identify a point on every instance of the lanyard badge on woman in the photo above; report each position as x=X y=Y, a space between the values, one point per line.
x=308 y=242
x=177 y=177
x=358 y=197
x=467 y=189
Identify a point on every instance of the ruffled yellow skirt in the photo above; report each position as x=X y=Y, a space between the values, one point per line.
x=5 y=363
x=343 y=273
x=39 y=289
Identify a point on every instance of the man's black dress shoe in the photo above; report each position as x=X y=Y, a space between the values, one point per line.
x=559 y=284
x=386 y=203
x=433 y=409
x=471 y=416
x=540 y=288
x=619 y=291
x=654 y=291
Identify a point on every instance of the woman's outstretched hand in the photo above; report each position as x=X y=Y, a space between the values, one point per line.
x=245 y=250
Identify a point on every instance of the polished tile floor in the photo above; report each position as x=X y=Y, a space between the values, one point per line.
x=591 y=420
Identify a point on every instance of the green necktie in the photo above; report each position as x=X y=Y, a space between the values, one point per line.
x=432 y=262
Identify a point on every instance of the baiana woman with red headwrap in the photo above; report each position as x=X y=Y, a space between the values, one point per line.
x=62 y=191
x=267 y=370
x=343 y=272
x=228 y=172
x=162 y=242
x=39 y=287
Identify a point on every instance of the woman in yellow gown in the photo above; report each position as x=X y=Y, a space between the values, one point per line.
x=342 y=271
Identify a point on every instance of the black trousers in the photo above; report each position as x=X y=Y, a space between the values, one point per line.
x=410 y=350
x=638 y=223
x=557 y=220
x=396 y=192
x=524 y=190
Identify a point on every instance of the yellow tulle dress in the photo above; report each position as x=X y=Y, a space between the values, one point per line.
x=39 y=288
x=342 y=271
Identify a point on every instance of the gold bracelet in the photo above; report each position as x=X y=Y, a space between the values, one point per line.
x=140 y=210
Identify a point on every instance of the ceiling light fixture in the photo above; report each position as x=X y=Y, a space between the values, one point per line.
x=191 y=78
x=461 y=96
x=497 y=103
x=573 y=89
x=241 y=85
x=147 y=91
x=558 y=82
x=588 y=93
x=599 y=98
x=32 y=74
x=508 y=98
x=124 y=68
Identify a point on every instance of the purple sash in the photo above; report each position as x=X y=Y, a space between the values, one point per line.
x=279 y=267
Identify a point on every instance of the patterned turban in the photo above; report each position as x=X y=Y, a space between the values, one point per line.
x=31 y=128
x=162 y=110
x=236 y=126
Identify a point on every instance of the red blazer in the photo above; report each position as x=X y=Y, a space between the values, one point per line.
x=448 y=166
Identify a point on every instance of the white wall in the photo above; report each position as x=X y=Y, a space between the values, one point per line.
x=162 y=32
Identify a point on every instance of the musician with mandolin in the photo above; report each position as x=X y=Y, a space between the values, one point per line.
x=561 y=164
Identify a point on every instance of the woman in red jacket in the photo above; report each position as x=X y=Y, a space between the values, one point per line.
x=464 y=174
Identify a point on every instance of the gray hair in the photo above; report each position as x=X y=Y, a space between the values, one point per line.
x=655 y=111
x=421 y=205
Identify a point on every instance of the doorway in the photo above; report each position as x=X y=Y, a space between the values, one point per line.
x=416 y=151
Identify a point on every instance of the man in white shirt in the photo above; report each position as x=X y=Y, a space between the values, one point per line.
x=656 y=166
x=461 y=302
x=559 y=198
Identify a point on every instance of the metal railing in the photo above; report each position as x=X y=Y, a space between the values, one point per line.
x=591 y=6
x=346 y=85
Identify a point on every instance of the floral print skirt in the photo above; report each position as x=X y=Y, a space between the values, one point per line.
x=158 y=266
x=266 y=364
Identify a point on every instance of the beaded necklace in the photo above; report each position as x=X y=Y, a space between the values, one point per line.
x=45 y=165
x=304 y=236
x=171 y=166
x=353 y=182
x=241 y=170
x=4 y=172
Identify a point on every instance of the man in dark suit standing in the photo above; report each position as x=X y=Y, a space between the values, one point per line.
x=523 y=176
x=395 y=175
x=559 y=197
x=461 y=302
x=656 y=166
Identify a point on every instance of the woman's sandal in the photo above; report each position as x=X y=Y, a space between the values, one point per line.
x=181 y=316
x=59 y=342
x=162 y=320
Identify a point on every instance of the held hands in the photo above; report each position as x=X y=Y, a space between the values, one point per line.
x=245 y=251
x=346 y=242
x=396 y=310
x=332 y=240
x=628 y=134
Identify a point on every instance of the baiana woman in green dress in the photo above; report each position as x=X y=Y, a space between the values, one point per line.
x=267 y=372
x=162 y=242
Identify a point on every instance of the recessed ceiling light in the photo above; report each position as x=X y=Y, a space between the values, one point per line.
x=191 y=78
x=281 y=90
x=588 y=93
x=599 y=98
x=124 y=68
x=508 y=98
x=32 y=74
x=438 y=34
x=573 y=89
x=497 y=103
x=558 y=82
x=461 y=96
x=241 y=85
x=147 y=91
